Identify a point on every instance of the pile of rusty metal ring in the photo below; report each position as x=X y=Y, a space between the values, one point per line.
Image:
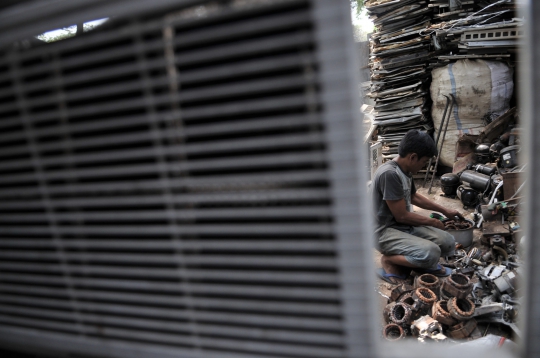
x=457 y=225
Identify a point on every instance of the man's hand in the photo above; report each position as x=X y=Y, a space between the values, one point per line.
x=437 y=224
x=453 y=213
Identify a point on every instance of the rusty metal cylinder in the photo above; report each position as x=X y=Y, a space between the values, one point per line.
x=462 y=330
x=393 y=332
x=461 y=309
x=440 y=313
x=428 y=281
x=424 y=298
x=456 y=285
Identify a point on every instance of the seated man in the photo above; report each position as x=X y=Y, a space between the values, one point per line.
x=405 y=239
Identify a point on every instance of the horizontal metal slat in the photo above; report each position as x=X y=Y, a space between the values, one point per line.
x=118 y=88
x=191 y=131
x=235 y=345
x=301 y=278
x=230 y=163
x=191 y=76
x=210 y=182
x=115 y=334
x=207 y=94
x=247 y=107
x=292 y=261
x=6 y=320
x=236 y=318
x=282 y=141
x=223 y=146
x=233 y=197
x=180 y=229
x=294 y=40
x=250 y=245
x=178 y=214
x=280 y=292
x=252 y=87
x=256 y=67
x=220 y=303
x=203 y=328
x=89 y=76
x=221 y=32
x=243 y=28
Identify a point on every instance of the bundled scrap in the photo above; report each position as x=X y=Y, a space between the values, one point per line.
x=414 y=36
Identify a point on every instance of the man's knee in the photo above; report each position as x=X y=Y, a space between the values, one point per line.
x=448 y=245
x=429 y=257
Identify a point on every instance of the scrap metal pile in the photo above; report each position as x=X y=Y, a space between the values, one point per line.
x=414 y=36
x=482 y=290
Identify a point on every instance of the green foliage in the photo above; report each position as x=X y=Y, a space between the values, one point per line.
x=357 y=5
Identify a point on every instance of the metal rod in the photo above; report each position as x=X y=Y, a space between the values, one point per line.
x=442 y=141
x=437 y=138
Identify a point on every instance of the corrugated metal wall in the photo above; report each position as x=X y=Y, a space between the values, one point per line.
x=185 y=182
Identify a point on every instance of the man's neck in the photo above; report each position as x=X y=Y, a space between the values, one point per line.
x=403 y=164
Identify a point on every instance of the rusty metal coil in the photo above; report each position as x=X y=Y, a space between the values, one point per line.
x=456 y=285
x=401 y=314
x=461 y=308
x=393 y=332
x=440 y=313
x=428 y=281
x=399 y=291
x=387 y=310
x=425 y=295
x=462 y=329
x=424 y=298
x=407 y=298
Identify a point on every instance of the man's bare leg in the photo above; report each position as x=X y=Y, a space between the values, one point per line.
x=395 y=264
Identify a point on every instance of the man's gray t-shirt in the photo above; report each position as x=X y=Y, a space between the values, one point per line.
x=390 y=183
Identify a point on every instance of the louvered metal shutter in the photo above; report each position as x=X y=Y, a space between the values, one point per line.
x=185 y=182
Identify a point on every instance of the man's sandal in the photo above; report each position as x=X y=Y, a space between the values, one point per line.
x=390 y=277
x=440 y=271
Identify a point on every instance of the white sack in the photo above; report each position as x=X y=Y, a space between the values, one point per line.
x=481 y=88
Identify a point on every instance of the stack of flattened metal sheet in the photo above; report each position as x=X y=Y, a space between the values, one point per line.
x=399 y=52
x=414 y=36
x=490 y=30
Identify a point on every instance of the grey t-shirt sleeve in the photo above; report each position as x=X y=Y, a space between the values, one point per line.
x=391 y=186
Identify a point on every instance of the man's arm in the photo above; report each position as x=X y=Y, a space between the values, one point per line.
x=425 y=203
x=402 y=216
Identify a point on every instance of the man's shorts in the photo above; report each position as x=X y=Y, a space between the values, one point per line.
x=422 y=246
